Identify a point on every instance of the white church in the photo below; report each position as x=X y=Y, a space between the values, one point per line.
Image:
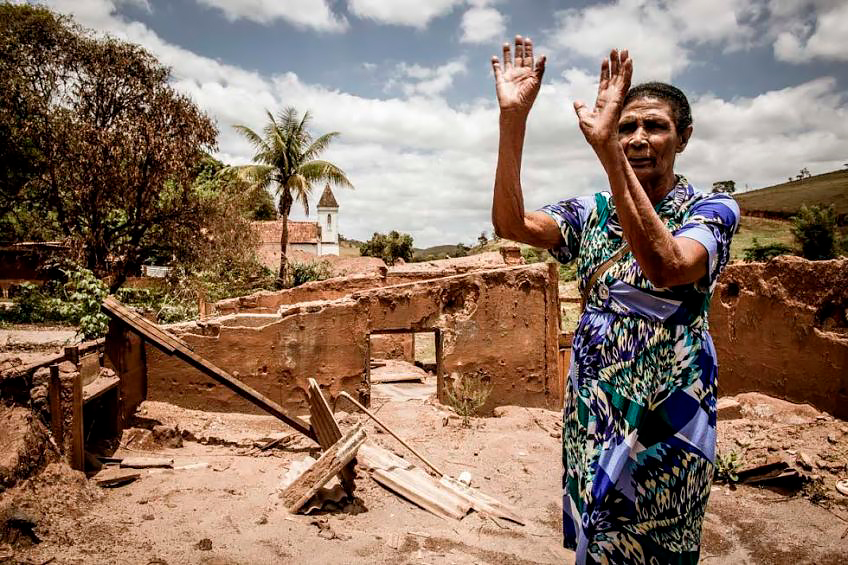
x=314 y=238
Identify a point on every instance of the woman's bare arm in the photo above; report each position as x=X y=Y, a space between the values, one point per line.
x=517 y=85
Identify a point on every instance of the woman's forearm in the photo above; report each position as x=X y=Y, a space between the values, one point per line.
x=666 y=261
x=508 y=216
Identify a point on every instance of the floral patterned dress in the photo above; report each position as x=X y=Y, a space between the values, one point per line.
x=639 y=416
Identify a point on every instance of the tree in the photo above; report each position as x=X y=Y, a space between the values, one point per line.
x=483 y=239
x=104 y=150
x=727 y=186
x=815 y=230
x=287 y=159
x=803 y=174
x=389 y=247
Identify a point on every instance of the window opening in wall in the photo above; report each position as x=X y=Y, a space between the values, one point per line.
x=329 y=220
x=403 y=364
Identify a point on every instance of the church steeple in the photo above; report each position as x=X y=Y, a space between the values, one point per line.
x=328 y=212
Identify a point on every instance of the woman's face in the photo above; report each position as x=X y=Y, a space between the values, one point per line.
x=649 y=138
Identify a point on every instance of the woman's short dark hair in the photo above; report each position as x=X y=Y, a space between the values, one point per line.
x=681 y=112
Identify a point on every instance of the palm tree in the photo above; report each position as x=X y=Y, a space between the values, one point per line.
x=287 y=158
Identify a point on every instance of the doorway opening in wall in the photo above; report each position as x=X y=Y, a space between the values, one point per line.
x=404 y=364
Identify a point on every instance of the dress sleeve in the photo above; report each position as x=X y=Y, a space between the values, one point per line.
x=570 y=215
x=712 y=222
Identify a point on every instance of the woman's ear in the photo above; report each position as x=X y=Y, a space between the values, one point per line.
x=684 y=138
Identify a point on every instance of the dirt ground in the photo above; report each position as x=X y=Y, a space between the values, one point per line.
x=220 y=504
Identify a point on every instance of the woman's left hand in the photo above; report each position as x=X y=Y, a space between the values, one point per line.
x=600 y=125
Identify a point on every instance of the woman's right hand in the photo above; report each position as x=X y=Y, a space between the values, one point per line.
x=517 y=83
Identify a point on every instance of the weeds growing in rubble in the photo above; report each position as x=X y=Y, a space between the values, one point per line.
x=726 y=466
x=467 y=394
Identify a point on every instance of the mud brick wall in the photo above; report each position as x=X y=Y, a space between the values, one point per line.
x=497 y=325
x=779 y=329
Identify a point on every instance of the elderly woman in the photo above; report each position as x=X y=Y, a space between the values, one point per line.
x=639 y=416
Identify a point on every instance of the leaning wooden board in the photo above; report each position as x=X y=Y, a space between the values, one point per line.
x=331 y=462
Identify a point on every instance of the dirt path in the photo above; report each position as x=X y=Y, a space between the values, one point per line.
x=223 y=506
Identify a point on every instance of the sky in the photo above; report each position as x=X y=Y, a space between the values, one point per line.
x=408 y=85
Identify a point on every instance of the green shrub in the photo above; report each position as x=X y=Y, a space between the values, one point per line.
x=300 y=273
x=815 y=230
x=76 y=301
x=766 y=252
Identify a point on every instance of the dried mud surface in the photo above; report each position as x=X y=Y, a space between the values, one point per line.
x=228 y=510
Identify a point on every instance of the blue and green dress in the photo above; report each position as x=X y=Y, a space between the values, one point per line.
x=639 y=420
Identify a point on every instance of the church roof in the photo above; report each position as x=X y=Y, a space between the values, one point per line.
x=299 y=232
x=327 y=199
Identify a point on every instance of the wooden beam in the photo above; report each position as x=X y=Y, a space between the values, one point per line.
x=98 y=387
x=328 y=465
x=54 y=394
x=173 y=346
x=328 y=431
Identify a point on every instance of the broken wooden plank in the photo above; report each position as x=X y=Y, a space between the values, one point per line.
x=112 y=477
x=146 y=462
x=412 y=483
x=89 y=367
x=327 y=430
x=173 y=346
x=331 y=462
x=98 y=387
x=396 y=378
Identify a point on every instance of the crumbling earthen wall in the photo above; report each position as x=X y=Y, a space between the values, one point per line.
x=499 y=326
x=779 y=329
x=338 y=287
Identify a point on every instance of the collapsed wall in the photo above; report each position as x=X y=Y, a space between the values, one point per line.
x=780 y=329
x=499 y=326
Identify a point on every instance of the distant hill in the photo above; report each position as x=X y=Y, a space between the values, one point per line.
x=784 y=200
x=435 y=252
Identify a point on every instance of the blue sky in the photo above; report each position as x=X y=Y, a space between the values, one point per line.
x=408 y=85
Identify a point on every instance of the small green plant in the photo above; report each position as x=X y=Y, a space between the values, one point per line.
x=467 y=394
x=758 y=252
x=726 y=466
x=85 y=293
x=815 y=230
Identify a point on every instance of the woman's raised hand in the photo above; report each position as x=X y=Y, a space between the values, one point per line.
x=600 y=124
x=517 y=83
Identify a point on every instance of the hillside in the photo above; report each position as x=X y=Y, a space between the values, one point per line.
x=786 y=199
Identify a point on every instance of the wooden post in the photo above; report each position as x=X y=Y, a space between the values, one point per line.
x=54 y=394
x=440 y=378
x=77 y=427
x=329 y=465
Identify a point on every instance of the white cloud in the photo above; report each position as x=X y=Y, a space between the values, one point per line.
x=659 y=35
x=426 y=81
x=822 y=35
x=432 y=163
x=482 y=24
x=413 y=13
x=314 y=14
